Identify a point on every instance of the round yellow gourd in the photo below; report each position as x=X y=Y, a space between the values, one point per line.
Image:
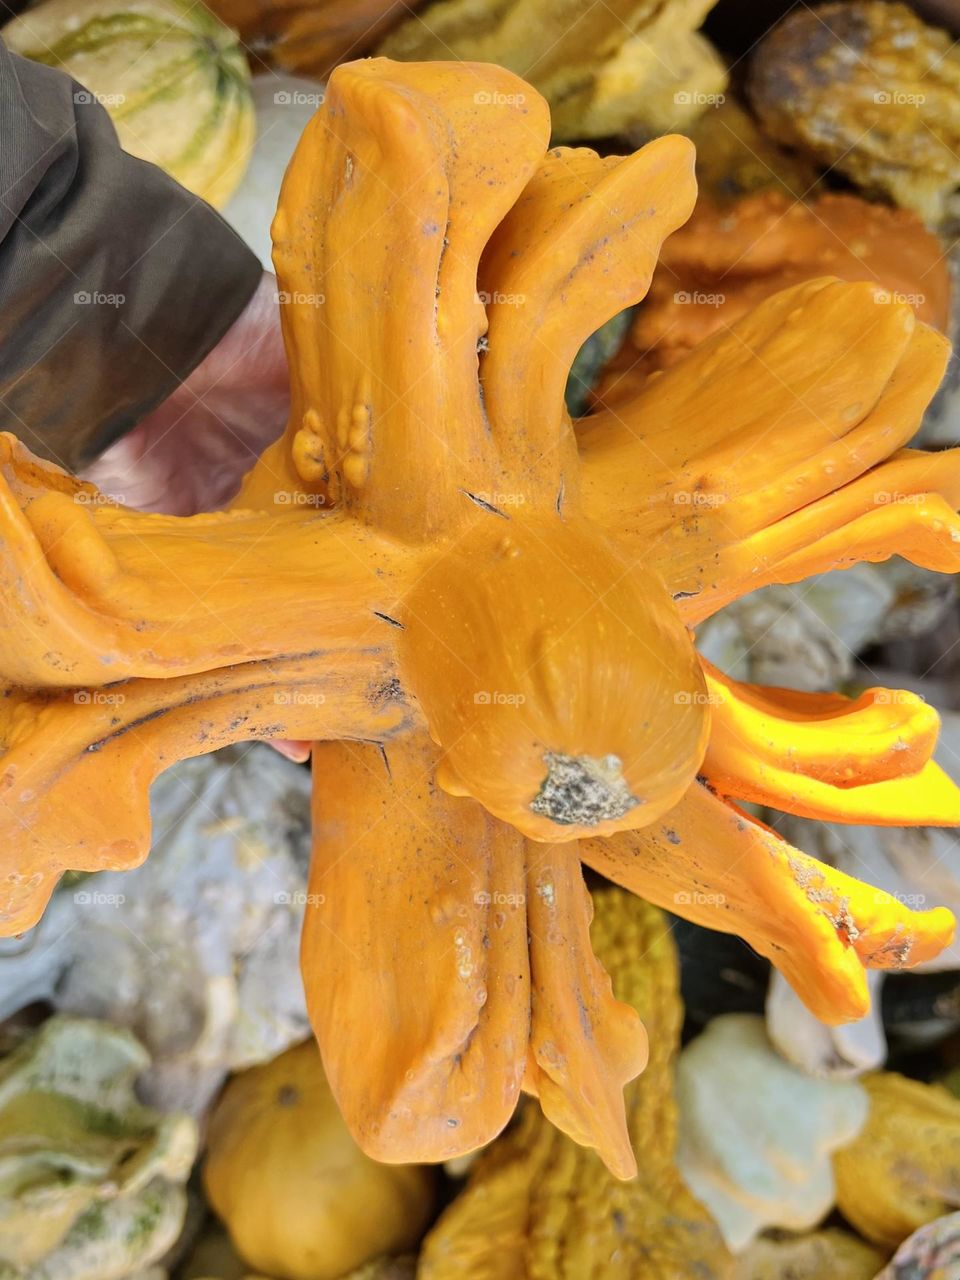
x=300 y=1199
x=174 y=79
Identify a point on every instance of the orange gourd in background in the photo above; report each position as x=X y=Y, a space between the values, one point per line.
x=310 y=36
x=728 y=258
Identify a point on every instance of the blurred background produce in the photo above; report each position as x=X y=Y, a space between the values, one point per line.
x=93 y=1182
x=174 y=79
x=636 y=66
x=298 y=1196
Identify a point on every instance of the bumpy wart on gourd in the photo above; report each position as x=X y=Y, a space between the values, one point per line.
x=474 y=607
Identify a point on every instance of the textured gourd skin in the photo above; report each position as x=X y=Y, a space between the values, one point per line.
x=93 y=1181
x=932 y=1250
x=301 y=1201
x=432 y=541
x=538 y=1207
x=868 y=89
x=903 y=1170
x=831 y=1252
x=174 y=79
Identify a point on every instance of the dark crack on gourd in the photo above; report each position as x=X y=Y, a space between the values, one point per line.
x=583 y=790
x=894 y=953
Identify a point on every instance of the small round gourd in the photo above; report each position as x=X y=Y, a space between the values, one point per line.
x=300 y=1199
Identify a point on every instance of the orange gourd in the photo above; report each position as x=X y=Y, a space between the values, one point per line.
x=482 y=617
x=310 y=36
x=555 y=680
x=728 y=258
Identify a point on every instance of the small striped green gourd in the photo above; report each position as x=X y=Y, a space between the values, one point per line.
x=174 y=79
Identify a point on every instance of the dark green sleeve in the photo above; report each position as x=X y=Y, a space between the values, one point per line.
x=115 y=282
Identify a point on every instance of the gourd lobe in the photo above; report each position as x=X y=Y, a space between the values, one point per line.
x=558 y=678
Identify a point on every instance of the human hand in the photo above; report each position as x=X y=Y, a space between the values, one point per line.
x=191 y=452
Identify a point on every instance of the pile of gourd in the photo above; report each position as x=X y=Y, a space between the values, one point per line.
x=769 y=1147
x=734 y=1139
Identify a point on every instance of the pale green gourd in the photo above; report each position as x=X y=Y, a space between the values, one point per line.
x=91 y=1181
